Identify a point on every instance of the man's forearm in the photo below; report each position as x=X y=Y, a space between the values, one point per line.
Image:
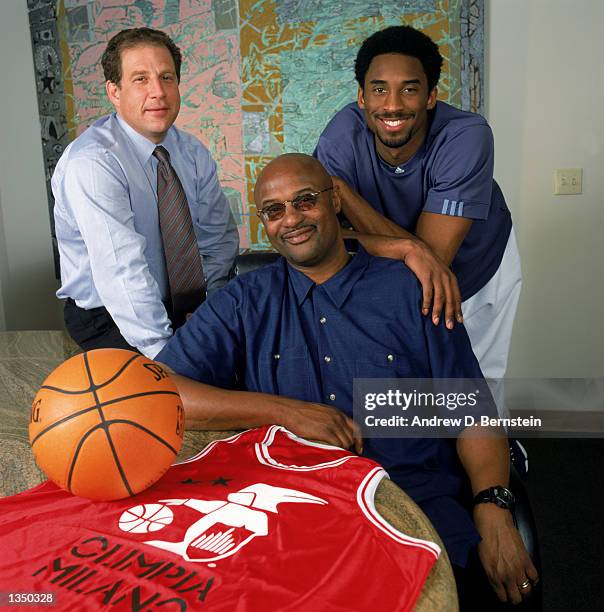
x=382 y=246
x=485 y=456
x=443 y=233
x=366 y=220
x=211 y=408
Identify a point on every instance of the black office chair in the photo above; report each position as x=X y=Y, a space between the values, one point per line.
x=250 y=260
x=525 y=522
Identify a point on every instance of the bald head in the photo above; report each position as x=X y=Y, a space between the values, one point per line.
x=290 y=164
x=307 y=235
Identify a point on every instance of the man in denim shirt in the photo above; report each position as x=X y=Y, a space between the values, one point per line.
x=283 y=344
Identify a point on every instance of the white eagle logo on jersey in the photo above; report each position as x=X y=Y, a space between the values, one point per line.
x=226 y=526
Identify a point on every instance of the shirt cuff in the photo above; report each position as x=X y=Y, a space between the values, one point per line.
x=151 y=350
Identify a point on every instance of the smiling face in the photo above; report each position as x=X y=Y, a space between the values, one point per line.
x=310 y=240
x=147 y=97
x=396 y=101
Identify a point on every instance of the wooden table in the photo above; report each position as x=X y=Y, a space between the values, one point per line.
x=27 y=357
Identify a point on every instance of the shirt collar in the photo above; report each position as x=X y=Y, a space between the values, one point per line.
x=143 y=147
x=301 y=284
x=338 y=287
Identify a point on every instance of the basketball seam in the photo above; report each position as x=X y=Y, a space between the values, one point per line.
x=118 y=373
x=105 y=426
x=99 y=405
x=93 y=385
x=143 y=428
x=106 y=429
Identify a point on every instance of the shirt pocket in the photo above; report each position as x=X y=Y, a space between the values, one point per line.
x=286 y=371
x=385 y=364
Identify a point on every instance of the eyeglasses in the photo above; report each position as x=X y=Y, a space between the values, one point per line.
x=302 y=203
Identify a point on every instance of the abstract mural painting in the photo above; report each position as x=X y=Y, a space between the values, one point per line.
x=259 y=77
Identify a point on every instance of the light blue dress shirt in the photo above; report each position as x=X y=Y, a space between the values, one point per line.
x=107 y=225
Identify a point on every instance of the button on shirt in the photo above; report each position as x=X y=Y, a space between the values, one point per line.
x=107 y=226
x=367 y=320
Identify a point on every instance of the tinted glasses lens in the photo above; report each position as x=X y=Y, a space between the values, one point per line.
x=303 y=202
x=274 y=211
x=306 y=201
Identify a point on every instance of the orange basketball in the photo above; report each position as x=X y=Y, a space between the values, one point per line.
x=106 y=424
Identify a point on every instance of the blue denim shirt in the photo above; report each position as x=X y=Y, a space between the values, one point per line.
x=275 y=331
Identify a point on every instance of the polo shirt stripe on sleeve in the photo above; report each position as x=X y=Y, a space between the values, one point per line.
x=452 y=208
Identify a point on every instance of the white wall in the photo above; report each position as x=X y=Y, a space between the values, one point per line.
x=545 y=100
x=27 y=282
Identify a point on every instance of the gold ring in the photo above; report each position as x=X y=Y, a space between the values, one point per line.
x=525 y=585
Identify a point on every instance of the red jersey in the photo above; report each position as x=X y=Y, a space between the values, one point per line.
x=263 y=520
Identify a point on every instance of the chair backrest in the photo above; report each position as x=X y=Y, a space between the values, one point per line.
x=523 y=518
x=250 y=260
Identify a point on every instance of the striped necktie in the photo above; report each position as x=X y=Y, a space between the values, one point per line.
x=183 y=261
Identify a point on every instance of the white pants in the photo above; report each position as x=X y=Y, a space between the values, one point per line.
x=489 y=319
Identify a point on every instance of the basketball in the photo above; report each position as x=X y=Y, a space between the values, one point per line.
x=106 y=424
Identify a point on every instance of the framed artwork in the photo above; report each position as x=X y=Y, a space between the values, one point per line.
x=259 y=77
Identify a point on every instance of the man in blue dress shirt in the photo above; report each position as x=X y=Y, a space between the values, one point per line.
x=113 y=270
x=284 y=343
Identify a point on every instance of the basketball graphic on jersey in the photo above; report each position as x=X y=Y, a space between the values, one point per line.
x=225 y=527
x=146 y=518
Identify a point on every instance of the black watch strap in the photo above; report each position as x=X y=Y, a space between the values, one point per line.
x=497 y=495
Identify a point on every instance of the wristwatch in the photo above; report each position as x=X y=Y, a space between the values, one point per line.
x=498 y=495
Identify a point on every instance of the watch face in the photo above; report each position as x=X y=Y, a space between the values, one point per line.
x=503 y=497
x=499 y=495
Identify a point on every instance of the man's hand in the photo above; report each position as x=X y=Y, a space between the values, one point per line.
x=439 y=285
x=503 y=554
x=320 y=422
x=384 y=238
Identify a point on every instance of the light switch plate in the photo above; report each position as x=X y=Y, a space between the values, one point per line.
x=568 y=181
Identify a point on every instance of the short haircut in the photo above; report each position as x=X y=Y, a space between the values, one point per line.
x=406 y=41
x=126 y=39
